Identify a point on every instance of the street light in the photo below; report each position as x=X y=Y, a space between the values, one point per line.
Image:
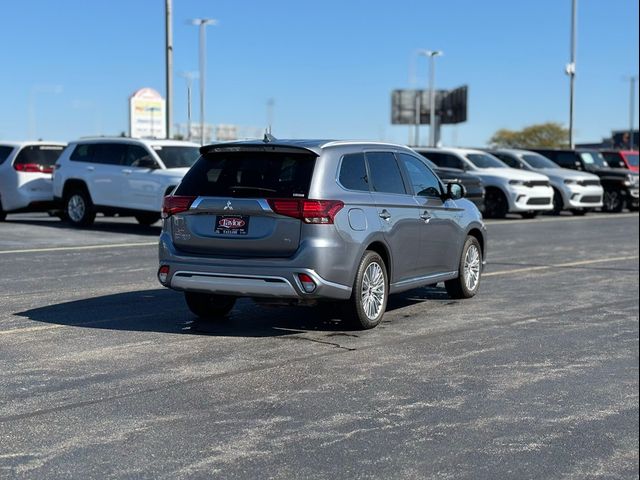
x=632 y=107
x=570 y=69
x=202 y=23
x=432 y=54
x=189 y=77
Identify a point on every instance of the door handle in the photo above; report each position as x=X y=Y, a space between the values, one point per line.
x=384 y=214
x=91 y=169
x=127 y=171
x=426 y=216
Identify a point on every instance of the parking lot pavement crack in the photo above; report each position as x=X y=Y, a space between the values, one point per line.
x=323 y=342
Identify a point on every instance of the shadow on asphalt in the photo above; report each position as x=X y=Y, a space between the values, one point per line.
x=102 y=224
x=164 y=311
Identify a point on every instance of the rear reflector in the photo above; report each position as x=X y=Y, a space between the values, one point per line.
x=309 y=211
x=163 y=274
x=307 y=282
x=32 y=168
x=173 y=204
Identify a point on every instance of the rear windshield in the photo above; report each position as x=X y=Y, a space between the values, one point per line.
x=250 y=175
x=177 y=156
x=43 y=155
x=4 y=153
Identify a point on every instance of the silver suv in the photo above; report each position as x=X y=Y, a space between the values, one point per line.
x=305 y=221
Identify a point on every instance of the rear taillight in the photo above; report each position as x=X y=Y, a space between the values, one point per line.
x=307 y=282
x=309 y=211
x=173 y=204
x=163 y=274
x=32 y=168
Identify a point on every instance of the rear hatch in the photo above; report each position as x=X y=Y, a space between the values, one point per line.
x=243 y=202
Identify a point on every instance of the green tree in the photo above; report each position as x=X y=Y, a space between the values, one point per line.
x=543 y=135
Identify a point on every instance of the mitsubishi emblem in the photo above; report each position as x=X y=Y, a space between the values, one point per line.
x=228 y=206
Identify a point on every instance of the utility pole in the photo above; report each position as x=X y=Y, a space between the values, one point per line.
x=169 y=66
x=432 y=54
x=202 y=23
x=189 y=76
x=632 y=108
x=270 y=104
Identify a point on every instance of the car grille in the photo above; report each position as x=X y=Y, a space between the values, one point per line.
x=589 y=183
x=539 y=201
x=537 y=183
x=591 y=199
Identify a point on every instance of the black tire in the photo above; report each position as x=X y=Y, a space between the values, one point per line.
x=612 y=201
x=579 y=212
x=357 y=307
x=458 y=288
x=495 y=204
x=3 y=214
x=147 y=219
x=558 y=203
x=78 y=208
x=209 y=306
x=529 y=215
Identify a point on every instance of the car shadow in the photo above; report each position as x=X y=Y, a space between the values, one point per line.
x=102 y=224
x=164 y=311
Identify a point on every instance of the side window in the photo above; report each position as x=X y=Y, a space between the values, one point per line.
x=424 y=182
x=109 y=153
x=137 y=156
x=385 y=173
x=80 y=153
x=565 y=159
x=353 y=173
x=445 y=160
x=4 y=153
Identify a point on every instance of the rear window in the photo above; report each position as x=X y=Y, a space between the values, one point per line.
x=250 y=175
x=4 y=153
x=353 y=172
x=177 y=156
x=41 y=155
x=385 y=173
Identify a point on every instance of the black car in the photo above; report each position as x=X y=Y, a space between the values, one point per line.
x=620 y=185
x=472 y=184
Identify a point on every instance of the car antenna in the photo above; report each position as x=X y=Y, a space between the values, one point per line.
x=268 y=138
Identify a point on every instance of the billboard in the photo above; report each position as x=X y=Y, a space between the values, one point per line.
x=147 y=114
x=451 y=106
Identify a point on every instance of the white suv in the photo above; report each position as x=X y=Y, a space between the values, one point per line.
x=123 y=176
x=507 y=189
x=25 y=176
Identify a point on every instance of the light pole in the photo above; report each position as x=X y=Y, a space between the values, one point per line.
x=189 y=76
x=168 y=66
x=432 y=54
x=570 y=69
x=270 y=104
x=632 y=108
x=202 y=23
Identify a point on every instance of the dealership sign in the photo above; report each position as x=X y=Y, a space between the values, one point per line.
x=147 y=114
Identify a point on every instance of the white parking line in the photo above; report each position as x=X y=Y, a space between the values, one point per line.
x=560 y=265
x=511 y=221
x=83 y=247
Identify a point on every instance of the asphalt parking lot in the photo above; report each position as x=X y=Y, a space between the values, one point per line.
x=104 y=374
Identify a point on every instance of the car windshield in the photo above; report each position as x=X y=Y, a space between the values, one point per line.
x=484 y=160
x=594 y=158
x=632 y=159
x=538 y=161
x=177 y=156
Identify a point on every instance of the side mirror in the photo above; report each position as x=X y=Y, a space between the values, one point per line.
x=455 y=191
x=578 y=165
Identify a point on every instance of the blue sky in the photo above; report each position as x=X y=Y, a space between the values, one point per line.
x=330 y=66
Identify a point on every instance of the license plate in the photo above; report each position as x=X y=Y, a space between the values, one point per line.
x=232 y=224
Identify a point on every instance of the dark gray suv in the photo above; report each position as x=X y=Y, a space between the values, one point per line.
x=304 y=221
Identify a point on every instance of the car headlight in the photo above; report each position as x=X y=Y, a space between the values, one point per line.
x=571 y=182
x=516 y=182
x=632 y=180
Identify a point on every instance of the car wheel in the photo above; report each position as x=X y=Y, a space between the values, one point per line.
x=612 y=201
x=558 y=203
x=370 y=292
x=467 y=283
x=209 y=306
x=147 y=219
x=3 y=214
x=78 y=209
x=495 y=204
x=529 y=214
x=579 y=212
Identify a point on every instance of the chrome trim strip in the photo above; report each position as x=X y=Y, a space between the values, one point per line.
x=425 y=278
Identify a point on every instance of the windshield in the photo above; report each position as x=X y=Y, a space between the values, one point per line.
x=632 y=159
x=538 y=161
x=176 y=156
x=594 y=158
x=484 y=160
